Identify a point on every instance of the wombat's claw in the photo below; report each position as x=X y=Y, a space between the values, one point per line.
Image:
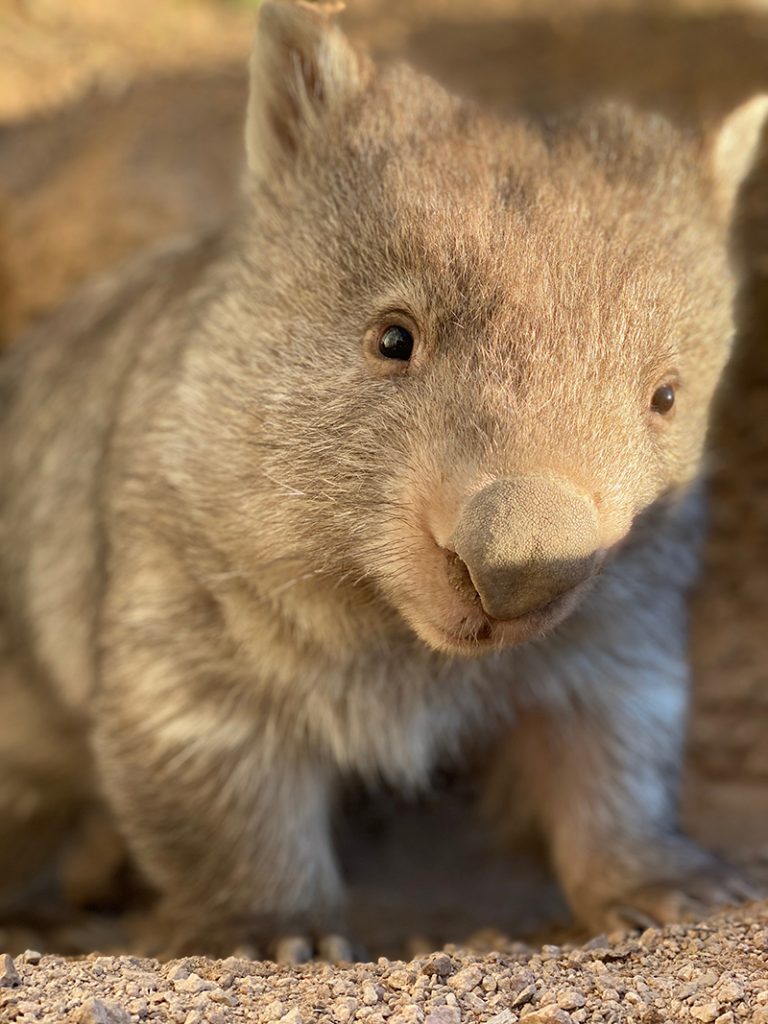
x=692 y=898
x=336 y=949
x=245 y=951
x=292 y=949
x=299 y=949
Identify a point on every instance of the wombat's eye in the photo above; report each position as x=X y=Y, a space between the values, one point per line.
x=663 y=399
x=396 y=342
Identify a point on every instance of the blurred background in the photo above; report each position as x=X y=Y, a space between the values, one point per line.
x=120 y=124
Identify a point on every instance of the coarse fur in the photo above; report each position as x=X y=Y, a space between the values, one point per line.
x=231 y=531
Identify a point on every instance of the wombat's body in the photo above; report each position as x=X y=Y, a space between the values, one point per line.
x=247 y=549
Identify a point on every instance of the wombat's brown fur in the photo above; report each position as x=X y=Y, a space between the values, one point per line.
x=245 y=553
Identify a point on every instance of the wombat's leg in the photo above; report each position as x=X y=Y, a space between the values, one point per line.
x=215 y=789
x=93 y=862
x=600 y=750
x=45 y=781
x=228 y=820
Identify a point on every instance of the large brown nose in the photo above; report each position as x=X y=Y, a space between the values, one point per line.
x=525 y=540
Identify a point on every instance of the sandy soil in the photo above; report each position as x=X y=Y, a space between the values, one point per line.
x=136 y=135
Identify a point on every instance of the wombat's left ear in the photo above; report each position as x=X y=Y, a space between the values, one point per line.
x=736 y=149
x=303 y=71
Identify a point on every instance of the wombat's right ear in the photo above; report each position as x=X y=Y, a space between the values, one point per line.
x=736 y=149
x=302 y=69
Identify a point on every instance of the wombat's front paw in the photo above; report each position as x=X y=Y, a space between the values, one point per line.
x=690 y=887
x=173 y=938
x=300 y=949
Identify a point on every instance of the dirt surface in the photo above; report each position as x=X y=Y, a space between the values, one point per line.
x=714 y=972
x=136 y=135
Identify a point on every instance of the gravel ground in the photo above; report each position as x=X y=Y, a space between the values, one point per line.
x=713 y=972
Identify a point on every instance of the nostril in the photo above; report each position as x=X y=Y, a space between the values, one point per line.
x=459 y=578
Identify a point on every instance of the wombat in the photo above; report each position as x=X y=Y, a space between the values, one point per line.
x=407 y=454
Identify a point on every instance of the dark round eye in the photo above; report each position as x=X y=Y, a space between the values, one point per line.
x=663 y=399
x=396 y=343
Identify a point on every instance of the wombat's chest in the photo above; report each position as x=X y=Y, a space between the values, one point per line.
x=394 y=717
x=376 y=704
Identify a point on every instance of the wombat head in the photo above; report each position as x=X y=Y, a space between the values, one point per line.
x=455 y=358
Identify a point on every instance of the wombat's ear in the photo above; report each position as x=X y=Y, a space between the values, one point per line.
x=736 y=149
x=302 y=69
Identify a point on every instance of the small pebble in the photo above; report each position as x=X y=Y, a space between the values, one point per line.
x=708 y=979
x=9 y=976
x=369 y=994
x=465 y=980
x=193 y=984
x=570 y=999
x=439 y=964
x=505 y=1017
x=400 y=979
x=410 y=1014
x=524 y=996
x=730 y=991
x=344 y=1008
x=443 y=1015
x=94 y=1011
x=705 y=1011
x=549 y=1015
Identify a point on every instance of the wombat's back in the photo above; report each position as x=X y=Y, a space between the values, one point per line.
x=59 y=391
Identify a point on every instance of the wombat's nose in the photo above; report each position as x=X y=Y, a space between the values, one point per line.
x=525 y=540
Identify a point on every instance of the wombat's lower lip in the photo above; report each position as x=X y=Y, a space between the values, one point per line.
x=491 y=633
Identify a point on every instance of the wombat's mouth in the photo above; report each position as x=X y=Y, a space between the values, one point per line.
x=482 y=630
x=474 y=603
x=473 y=632
x=488 y=633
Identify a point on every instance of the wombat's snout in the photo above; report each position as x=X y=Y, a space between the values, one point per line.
x=525 y=540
